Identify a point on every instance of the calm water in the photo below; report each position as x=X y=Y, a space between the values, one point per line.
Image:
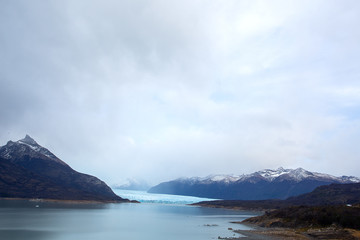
x=34 y=220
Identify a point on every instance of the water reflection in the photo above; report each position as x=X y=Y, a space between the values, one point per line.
x=20 y=234
x=19 y=203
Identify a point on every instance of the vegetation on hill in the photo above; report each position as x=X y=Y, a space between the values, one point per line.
x=310 y=216
x=334 y=194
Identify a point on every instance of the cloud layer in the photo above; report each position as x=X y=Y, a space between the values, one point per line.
x=164 y=89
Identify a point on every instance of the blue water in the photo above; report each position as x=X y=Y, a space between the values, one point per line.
x=130 y=221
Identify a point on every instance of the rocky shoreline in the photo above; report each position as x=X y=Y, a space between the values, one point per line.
x=323 y=222
x=289 y=233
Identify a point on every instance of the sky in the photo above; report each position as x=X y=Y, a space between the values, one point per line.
x=164 y=89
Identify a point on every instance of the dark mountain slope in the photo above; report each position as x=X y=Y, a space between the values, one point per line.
x=334 y=194
x=310 y=216
x=330 y=195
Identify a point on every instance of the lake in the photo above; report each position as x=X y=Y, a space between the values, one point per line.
x=157 y=217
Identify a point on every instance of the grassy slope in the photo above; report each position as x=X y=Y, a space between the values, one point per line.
x=310 y=216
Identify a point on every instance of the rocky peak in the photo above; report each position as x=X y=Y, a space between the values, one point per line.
x=27 y=146
x=28 y=140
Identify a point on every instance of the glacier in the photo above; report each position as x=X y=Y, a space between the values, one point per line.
x=145 y=197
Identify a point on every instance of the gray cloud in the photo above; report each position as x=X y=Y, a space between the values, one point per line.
x=167 y=89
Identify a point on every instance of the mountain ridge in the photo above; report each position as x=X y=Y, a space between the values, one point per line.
x=271 y=175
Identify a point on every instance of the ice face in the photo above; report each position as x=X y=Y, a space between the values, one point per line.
x=145 y=197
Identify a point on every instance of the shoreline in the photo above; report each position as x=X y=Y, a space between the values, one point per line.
x=68 y=201
x=263 y=233
x=284 y=233
x=332 y=232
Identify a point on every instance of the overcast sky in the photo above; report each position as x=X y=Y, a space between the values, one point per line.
x=167 y=89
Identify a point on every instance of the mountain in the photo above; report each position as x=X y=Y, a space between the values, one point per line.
x=28 y=170
x=266 y=184
x=133 y=184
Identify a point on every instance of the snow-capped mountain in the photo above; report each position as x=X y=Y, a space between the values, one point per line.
x=212 y=178
x=300 y=174
x=132 y=184
x=270 y=175
x=27 y=146
x=28 y=141
x=265 y=184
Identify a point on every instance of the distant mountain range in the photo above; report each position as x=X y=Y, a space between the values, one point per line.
x=267 y=184
x=28 y=170
x=133 y=184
